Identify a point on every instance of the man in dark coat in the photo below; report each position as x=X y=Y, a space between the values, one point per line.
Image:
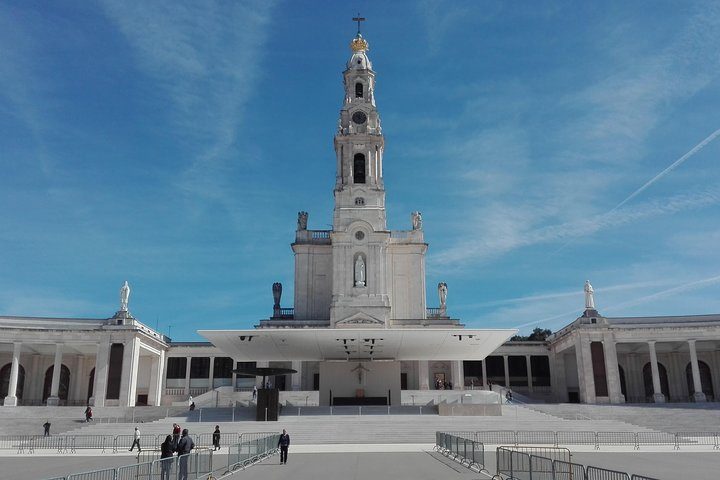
x=184 y=447
x=284 y=443
x=46 y=426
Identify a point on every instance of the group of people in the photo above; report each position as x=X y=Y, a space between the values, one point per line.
x=441 y=385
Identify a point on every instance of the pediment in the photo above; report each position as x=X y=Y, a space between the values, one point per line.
x=360 y=320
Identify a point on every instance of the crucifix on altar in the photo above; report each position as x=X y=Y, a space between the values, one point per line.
x=360 y=369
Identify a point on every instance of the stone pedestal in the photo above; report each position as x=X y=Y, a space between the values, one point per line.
x=53 y=401
x=697 y=396
x=659 y=398
x=10 y=401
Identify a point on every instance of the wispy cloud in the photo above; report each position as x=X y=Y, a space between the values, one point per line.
x=206 y=57
x=505 y=232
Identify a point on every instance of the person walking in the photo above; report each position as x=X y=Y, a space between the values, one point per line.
x=254 y=392
x=284 y=443
x=216 y=438
x=136 y=440
x=185 y=446
x=88 y=414
x=166 y=452
x=508 y=396
x=46 y=426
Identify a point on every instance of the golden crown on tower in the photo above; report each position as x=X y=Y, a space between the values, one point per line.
x=359 y=44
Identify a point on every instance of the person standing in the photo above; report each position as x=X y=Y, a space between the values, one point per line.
x=184 y=447
x=166 y=452
x=136 y=440
x=284 y=443
x=46 y=426
x=254 y=392
x=216 y=438
x=176 y=435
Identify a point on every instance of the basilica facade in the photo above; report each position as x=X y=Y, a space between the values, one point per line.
x=360 y=330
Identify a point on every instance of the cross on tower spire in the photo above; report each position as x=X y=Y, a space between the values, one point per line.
x=358 y=19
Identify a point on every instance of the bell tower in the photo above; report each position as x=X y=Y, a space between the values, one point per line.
x=359 y=190
x=360 y=240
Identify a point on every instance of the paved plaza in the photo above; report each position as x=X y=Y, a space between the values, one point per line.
x=398 y=462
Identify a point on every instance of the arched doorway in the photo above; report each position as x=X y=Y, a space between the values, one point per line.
x=647 y=380
x=5 y=381
x=623 y=385
x=64 y=382
x=91 y=384
x=705 y=380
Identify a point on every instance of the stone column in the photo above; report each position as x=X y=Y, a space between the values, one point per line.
x=234 y=375
x=457 y=374
x=128 y=382
x=586 y=379
x=101 y=373
x=612 y=371
x=296 y=378
x=528 y=364
x=80 y=382
x=697 y=382
x=188 y=360
x=212 y=373
x=154 y=393
x=11 y=399
x=423 y=375
x=484 y=374
x=658 y=395
x=53 y=399
x=507 y=371
x=558 y=377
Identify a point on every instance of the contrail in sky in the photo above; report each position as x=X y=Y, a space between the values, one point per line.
x=657 y=177
x=669 y=169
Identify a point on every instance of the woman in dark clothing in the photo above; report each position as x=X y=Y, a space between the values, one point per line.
x=216 y=438
x=166 y=452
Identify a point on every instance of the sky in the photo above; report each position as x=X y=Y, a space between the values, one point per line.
x=172 y=143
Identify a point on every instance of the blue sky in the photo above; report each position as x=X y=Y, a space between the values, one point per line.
x=171 y=144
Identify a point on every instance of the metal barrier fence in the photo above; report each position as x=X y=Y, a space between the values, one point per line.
x=595 y=473
x=468 y=452
x=598 y=439
x=513 y=464
x=193 y=466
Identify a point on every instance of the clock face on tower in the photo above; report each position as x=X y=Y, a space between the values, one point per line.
x=359 y=117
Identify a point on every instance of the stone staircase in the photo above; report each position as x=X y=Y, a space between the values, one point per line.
x=29 y=420
x=674 y=417
x=370 y=429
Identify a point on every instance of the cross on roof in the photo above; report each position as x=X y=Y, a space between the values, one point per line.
x=358 y=19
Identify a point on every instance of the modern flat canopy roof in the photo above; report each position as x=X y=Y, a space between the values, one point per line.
x=317 y=344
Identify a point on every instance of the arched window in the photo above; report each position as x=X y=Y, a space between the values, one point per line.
x=5 y=381
x=359 y=90
x=647 y=380
x=705 y=380
x=359 y=168
x=64 y=382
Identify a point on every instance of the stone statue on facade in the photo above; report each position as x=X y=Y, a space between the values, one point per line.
x=589 y=299
x=359 y=271
x=442 y=293
x=124 y=296
x=416 y=220
x=302 y=220
x=277 y=294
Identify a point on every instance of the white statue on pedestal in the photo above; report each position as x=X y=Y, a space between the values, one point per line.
x=589 y=300
x=416 y=220
x=359 y=271
x=124 y=296
x=442 y=293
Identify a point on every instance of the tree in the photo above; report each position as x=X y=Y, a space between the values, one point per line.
x=537 y=335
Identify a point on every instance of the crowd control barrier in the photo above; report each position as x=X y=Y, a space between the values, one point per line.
x=468 y=452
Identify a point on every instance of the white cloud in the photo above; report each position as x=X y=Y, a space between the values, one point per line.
x=206 y=57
